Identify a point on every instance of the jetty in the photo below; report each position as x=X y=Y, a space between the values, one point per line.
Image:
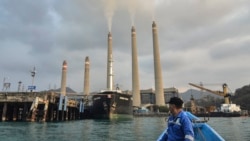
x=41 y=106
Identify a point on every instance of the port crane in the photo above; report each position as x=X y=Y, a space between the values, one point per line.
x=223 y=93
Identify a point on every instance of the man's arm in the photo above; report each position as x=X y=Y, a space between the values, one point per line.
x=188 y=129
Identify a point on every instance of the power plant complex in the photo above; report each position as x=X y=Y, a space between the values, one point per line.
x=113 y=103
x=159 y=94
x=109 y=103
x=159 y=90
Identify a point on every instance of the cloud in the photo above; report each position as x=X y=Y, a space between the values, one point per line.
x=199 y=41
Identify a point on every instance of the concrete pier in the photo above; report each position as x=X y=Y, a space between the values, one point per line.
x=37 y=106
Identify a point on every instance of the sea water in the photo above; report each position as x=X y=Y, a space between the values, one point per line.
x=136 y=129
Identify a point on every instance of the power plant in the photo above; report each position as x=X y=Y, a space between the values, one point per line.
x=64 y=78
x=62 y=106
x=135 y=71
x=86 y=77
x=109 y=64
x=159 y=93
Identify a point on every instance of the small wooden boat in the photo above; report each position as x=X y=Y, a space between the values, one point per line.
x=202 y=131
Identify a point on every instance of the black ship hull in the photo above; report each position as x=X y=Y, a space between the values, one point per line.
x=112 y=105
x=219 y=114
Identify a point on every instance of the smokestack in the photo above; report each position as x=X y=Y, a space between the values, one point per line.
x=109 y=64
x=63 y=81
x=86 y=77
x=135 y=71
x=159 y=93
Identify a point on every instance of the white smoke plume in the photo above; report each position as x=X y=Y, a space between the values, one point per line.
x=132 y=6
x=109 y=9
x=148 y=6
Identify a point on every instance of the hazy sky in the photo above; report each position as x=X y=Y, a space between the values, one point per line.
x=200 y=41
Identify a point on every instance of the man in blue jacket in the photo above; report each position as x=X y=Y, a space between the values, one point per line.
x=179 y=125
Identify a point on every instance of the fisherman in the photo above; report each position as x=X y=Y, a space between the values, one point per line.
x=179 y=125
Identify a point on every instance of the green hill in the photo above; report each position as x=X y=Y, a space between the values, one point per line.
x=242 y=97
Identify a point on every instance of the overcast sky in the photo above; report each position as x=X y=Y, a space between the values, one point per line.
x=200 y=41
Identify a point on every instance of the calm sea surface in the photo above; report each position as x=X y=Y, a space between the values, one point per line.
x=137 y=129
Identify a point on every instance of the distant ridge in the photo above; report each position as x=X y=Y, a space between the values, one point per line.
x=68 y=90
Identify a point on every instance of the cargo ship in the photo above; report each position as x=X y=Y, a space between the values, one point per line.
x=112 y=104
x=219 y=114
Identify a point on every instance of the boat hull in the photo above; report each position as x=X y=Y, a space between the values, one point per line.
x=111 y=105
x=202 y=131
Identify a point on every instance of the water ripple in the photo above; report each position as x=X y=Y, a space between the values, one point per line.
x=137 y=129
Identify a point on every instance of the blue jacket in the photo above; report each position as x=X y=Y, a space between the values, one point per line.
x=179 y=128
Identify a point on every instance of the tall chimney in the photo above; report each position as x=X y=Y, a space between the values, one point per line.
x=109 y=64
x=86 y=77
x=159 y=93
x=63 y=81
x=135 y=71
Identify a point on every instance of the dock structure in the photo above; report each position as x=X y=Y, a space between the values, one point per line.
x=40 y=106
